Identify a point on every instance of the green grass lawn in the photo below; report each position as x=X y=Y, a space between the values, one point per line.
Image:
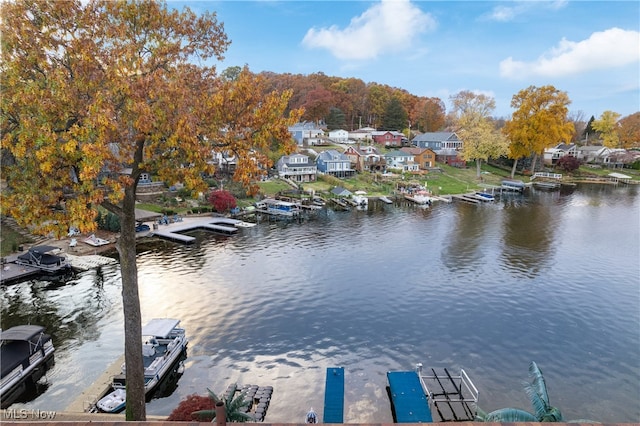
x=10 y=240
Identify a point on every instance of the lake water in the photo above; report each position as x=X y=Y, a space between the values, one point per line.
x=550 y=277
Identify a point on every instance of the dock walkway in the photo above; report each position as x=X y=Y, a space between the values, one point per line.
x=409 y=402
x=334 y=396
x=173 y=231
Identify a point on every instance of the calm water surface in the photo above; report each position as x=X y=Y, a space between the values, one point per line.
x=551 y=277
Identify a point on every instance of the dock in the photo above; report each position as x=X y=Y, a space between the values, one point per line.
x=174 y=231
x=468 y=198
x=334 y=396
x=408 y=400
x=86 y=401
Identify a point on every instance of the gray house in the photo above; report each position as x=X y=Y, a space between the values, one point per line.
x=297 y=167
x=332 y=162
x=437 y=141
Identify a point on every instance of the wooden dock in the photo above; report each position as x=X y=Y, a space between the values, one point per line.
x=87 y=398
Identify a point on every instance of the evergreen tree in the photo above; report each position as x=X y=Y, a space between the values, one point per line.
x=395 y=116
x=336 y=119
x=589 y=131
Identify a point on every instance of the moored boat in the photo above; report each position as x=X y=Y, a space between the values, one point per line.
x=164 y=343
x=45 y=258
x=26 y=354
x=484 y=196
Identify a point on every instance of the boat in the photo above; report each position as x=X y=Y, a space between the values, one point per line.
x=26 y=355
x=164 y=343
x=360 y=199
x=44 y=258
x=113 y=402
x=311 y=417
x=484 y=196
x=385 y=200
x=420 y=197
x=513 y=185
x=243 y=224
x=545 y=185
x=278 y=207
x=92 y=240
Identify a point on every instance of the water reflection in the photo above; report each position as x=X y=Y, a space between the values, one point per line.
x=488 y=288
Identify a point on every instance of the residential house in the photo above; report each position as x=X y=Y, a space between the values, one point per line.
x=424 y=157
x=332 y=162
x=388 y=138
x=297 y=167
x=302 y=132
x=339 y=136
x=437 y=141
x=552 y=155
x=366 y=158
x=450 y=157
x=401 y=160
x=362 y=135
x=224 y=162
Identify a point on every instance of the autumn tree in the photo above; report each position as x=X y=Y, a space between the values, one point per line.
x=222 y=200
x=607 y=125
x=630 y=131
x=481 y=140
x=540 y=121
x=96 y=93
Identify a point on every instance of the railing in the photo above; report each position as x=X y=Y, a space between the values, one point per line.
x=546 y=175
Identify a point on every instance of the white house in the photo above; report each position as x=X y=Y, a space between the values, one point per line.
x=339 y=136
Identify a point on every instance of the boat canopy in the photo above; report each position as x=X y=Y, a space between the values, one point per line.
x=160 y=327
x=21 y=332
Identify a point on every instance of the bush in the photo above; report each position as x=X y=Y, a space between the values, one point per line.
x=192 y=403
x=222 y=201
x=568 y=164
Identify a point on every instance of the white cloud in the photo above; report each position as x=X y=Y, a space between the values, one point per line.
x=603 y=50
x=504 y=13
x=388 y=26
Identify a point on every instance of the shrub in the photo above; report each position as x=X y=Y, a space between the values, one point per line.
x=568 y=163
x=221 y=200
x=192 y=403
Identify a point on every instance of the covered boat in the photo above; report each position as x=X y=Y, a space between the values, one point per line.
x=44 y=258
x=164 y=344
x=26 y=354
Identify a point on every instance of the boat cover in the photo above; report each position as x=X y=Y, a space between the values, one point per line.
x=160 y=327
x=18 y=343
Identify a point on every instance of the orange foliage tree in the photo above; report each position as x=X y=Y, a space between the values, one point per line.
x=96 y=93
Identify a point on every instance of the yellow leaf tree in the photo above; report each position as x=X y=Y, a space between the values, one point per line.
x=481 y=140
x=96 y=93
x=540 y=121
x=607 y=125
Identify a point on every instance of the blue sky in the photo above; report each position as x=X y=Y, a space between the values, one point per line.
x=590 y=49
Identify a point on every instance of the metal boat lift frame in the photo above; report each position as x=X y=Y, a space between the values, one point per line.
x=454 y=397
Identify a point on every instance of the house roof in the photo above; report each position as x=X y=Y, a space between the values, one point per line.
x=436 y=137
x=338 y=190
x=398 y=153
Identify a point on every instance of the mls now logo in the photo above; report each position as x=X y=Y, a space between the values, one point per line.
x=25 y=414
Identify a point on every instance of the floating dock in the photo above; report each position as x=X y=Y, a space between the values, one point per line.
x=408 y=400
x=174 y=230
x=334 y=396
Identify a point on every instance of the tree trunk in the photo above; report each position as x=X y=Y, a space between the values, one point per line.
x=513 y=169
x=533 y=164
x=136 y=403
x=478 y=169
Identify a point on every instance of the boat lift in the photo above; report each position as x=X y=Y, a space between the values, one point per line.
x=454 y=397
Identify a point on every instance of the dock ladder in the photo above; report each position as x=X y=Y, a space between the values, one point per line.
x=454 y=397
